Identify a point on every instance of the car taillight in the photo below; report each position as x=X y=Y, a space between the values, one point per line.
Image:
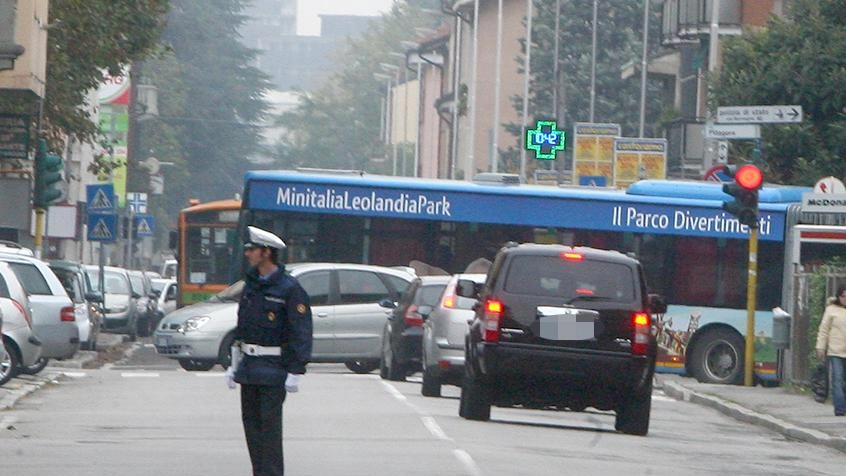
x=642 y=329
x=26 y=315
x=67 y=315
x=572 y=256
x=449 y=297
x=412 y=318
x=493 y=320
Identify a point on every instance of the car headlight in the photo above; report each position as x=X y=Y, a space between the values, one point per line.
x=194 y=323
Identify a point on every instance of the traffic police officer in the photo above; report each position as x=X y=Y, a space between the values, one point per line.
x=272 y=348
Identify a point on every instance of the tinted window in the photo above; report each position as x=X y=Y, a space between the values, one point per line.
x=31 y=279
x=556 y=277
x=428 y=295
x=398 y=283
x=361 y=287
x=4 y=289
x=316 y=285
x=70 y=281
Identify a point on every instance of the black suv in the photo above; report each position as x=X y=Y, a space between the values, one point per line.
x=560 y=327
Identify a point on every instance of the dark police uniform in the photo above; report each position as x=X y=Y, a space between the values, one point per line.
x=274 y=312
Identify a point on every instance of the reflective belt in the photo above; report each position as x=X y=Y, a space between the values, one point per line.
x=260 y=350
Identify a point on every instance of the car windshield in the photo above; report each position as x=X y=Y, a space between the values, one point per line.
x=115 y=283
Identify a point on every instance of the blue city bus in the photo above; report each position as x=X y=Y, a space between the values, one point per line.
x=693 y=253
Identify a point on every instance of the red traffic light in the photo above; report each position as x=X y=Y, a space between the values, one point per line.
x=749 y=177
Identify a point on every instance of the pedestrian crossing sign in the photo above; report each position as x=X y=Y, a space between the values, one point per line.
x=102 y=227
x=145 y=225
x=100 y=198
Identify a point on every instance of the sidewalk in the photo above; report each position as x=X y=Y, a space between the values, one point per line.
x=780 y=409
x=23 y=385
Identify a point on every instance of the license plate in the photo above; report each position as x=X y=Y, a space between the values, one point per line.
x=162 y=341
x=566 y=324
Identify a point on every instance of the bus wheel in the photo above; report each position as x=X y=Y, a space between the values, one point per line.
x=718 y=357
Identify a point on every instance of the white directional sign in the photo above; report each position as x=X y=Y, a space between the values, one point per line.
x=737 y=131
x=137 y=202
x=759 y=114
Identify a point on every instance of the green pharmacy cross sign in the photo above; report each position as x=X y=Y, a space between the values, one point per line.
x=545 y=139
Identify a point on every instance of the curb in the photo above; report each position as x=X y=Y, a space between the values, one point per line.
x=741 y=413
x=27 y=386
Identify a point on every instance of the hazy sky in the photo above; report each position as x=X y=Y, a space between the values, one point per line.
x=307 y=10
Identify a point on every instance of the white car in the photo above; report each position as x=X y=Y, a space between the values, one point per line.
x=23 y=349
x=346 y=312
x=165 y=289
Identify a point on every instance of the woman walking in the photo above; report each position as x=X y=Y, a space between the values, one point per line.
x=831 y=343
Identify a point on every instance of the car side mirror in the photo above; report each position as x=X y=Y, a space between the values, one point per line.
x=467 y=288
x=387 y=304
x=657 y=304
x=94 y=297
x=424 y=311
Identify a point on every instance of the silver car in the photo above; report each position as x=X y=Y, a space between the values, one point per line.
x=22 y=347
x=443 y=337
x=118 y=300
x=53 y=314
x=348 y=319
x=165 y=291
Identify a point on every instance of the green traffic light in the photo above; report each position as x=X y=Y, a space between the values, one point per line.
x=48 y=172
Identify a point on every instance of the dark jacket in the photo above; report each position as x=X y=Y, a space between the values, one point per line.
x=273 y=312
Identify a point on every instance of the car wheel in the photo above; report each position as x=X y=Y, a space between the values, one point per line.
x=633 y=413
x=33 y=369
x=143 y=325
x=393 y=370
x=362 y=366
x=431 y=383
x=475 y=400
x=9 y=365
x=718 y=357
x=196 y=365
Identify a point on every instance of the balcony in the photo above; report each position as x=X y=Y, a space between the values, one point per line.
x=687 y=21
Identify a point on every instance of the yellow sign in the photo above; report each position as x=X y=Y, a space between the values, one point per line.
x=593 y=152
x=639 y=159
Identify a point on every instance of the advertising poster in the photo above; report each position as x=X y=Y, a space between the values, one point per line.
x=639 y=159
x=593 y=151
x=114 y=125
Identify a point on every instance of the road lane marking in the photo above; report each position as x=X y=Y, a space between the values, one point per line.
x=467 y=460
x=209 y=374
x=139 y=374
x=394 y=392
x=434 y=428
x=75 y=374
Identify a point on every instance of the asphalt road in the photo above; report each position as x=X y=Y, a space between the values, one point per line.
x=143 y=415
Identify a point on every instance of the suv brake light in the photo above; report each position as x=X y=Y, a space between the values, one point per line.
x=572 y=256
x=493 y=320
x=412 y=318
x=641 y=322
x=67 y=314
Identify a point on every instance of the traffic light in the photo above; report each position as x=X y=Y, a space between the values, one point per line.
x=48 y=171
x=747 y=181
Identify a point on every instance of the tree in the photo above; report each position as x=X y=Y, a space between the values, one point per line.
x=88 y=39
x=619 y=41
x=797 y=59
x=338 y=125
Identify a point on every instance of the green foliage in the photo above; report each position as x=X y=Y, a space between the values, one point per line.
x=86 y=39
x=796 y=60
x=619 y=42
x=338 y=125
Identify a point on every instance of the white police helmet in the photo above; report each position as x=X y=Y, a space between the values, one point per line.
x=263 y=239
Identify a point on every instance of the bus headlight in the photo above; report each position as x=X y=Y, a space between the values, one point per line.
x=194 y=323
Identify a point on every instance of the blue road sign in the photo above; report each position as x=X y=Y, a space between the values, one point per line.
x=137 y=202
x=592 y=180
x=100 y=198
x=102 y=227
x=144 y=225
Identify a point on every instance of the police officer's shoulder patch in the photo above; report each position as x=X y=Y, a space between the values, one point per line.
x=301 y=308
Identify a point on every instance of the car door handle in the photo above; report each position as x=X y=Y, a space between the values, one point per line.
x=322 y=314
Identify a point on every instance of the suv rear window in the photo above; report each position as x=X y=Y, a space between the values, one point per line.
x=555 y=277
x=31 y=279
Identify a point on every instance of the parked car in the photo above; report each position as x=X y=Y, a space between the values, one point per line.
x=403 y=334
x=168 y=270
x=87 y=302
x=348 y=319
x=145 y=303
x=443 y=337
x=53 y=313
x=119 y=302
x=22 y=347
x=561 y=327
x=165 y=291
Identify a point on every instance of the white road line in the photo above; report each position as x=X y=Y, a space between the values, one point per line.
x=139 y=374
x=394 y=392
x=467 y=460
x=75 y=374
x=149 y=346
x=434 y=428
x=209 y=374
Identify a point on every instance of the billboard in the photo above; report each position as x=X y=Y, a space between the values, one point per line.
x=593 y=152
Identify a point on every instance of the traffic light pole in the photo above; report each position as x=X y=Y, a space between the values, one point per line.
x=751 y=300
x=39 y=231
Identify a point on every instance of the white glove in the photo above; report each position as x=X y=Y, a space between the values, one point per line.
x=292 y=383
x=229 y=376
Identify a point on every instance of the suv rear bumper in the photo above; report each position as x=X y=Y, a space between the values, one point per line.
x=587 y=372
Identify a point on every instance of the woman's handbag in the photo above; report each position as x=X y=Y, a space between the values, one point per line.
x=819 y=382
